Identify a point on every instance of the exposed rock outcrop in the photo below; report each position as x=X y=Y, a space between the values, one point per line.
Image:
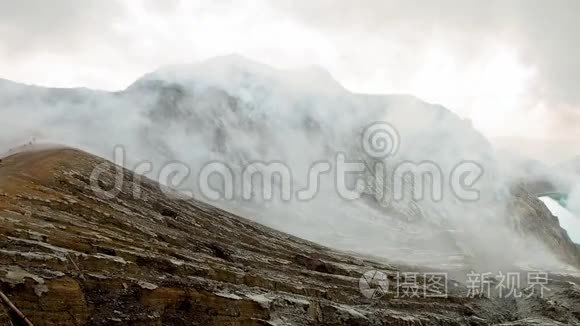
x=532 y=218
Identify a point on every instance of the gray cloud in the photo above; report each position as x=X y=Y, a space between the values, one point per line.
x=60 y=26
x=546 y=33
x=371 y=46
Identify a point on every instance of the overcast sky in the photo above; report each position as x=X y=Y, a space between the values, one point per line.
x=510 y=66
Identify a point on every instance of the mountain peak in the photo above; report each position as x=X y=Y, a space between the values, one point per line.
x=233 y=72
x=233 y=59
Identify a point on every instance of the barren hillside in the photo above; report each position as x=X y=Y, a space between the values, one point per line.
x=68 y=257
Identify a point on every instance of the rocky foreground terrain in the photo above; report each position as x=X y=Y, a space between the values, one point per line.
x=70 y=257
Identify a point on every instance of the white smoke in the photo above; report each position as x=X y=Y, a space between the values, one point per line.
x=236 y=111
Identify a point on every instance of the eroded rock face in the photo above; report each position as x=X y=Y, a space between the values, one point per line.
x=532 y=218
x=68 y=256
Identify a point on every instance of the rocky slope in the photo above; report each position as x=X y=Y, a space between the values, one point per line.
x=534 y=219
x=70 y=257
